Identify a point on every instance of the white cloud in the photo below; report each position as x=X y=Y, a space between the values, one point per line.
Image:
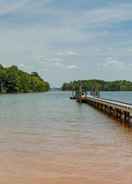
x=72 y=53
x=22 y=65
x=72 y=67
x=114 y=64
x=56 y=59
x=59 y=65
x=64 y=66
x=67 y=53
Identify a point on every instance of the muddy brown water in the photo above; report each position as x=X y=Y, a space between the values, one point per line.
x=49 y=139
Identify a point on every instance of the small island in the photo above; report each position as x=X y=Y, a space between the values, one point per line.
x=14 y=80
x=118 y=85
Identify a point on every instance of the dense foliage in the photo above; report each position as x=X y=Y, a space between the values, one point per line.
x=120 y=85
x=13 y=80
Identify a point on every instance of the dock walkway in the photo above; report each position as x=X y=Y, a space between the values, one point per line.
x=117 y=109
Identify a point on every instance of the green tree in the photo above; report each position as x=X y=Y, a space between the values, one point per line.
x=13 y=80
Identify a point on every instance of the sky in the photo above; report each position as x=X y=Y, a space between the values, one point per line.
x=66 y=40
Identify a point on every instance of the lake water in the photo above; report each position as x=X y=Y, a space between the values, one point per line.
x=45 y=138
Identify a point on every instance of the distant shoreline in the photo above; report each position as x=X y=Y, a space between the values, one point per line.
x=117 y=85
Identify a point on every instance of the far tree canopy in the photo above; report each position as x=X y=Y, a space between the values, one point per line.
x=119 y=85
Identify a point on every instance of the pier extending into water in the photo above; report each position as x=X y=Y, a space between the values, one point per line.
x=119 y=110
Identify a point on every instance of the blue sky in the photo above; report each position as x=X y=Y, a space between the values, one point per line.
x=65 y=40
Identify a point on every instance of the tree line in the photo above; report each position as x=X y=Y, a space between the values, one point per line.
x=118 y=85
x=14 y=80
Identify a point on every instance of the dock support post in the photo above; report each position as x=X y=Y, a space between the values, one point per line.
x=125 y=116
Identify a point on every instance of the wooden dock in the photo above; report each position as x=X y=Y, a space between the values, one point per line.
x=119 y=110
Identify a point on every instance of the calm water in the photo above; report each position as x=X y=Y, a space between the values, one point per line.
x=48 y=139
x=119 y=96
